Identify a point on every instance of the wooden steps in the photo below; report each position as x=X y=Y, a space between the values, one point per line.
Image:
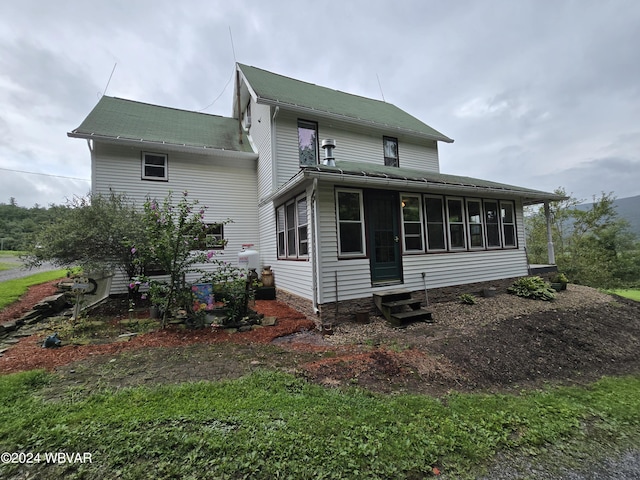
x=399 y=308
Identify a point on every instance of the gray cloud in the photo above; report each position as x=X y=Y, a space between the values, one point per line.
x=535 y=94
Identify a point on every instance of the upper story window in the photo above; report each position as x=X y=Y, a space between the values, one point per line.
x=308 y=142
x=390 y=146
x=154 y=166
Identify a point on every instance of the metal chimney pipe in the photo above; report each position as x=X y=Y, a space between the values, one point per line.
x=328 y=144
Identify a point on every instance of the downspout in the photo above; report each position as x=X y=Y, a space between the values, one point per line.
x=315 y=270
x=550 y=251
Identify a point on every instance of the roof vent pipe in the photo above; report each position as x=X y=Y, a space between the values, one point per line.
x=328 y=144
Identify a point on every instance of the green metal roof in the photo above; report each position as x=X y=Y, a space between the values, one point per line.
x=276 y=89
x=433 y=180
x=119 y=119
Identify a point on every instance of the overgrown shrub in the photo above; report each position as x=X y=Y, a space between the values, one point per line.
x=532 y=287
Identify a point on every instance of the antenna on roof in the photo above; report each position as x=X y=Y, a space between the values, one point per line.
x=109 y=81
x=380 y=85
x=232 y=47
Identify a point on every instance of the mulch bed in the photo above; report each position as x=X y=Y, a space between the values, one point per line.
x=28 y=353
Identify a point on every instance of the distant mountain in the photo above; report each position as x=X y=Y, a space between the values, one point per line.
x=627 y=208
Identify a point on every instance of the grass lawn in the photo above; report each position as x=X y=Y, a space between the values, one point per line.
x=11 y=290
x=274 y=425
x=632 y=294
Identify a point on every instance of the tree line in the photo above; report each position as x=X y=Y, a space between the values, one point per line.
x=20 y=225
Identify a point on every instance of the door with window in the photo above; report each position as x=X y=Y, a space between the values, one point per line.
x=383 y=236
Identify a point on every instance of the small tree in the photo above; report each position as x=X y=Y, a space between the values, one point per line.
x=95 y=232
x=177 y=233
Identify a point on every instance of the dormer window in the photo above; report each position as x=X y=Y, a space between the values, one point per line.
x=308 y=142
x=390 y=146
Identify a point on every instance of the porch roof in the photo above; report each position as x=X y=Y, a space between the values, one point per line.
x=373 y=175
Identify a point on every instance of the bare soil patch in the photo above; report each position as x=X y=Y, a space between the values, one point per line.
x=501 y=343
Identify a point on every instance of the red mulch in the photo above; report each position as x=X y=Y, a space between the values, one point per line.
x=28 y=354
x=28 y=300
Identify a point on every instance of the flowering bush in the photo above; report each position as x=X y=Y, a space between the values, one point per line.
x=177 y=232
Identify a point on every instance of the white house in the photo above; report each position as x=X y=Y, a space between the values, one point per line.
x=376 y=215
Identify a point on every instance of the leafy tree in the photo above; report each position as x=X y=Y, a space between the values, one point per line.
x=96 y=232
x=178 y=233
x=593 y=247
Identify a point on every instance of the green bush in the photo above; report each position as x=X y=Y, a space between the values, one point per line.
x=467 y=299
x=532 y=287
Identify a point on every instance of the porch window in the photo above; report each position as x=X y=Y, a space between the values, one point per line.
x=508 y=224
x=281 y=229
x=474 y=218
x=492 y=223
x=303 y=242
x=435 y=224
x=411 y=223
x=308 y=142
x=291 y=228
x=154 y=166
x=455 y=217
x=390 y=146
x=350 y=222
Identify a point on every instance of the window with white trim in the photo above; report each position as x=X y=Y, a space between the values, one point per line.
x=474 y=219
x=436 y=232
x=455 y=220
x=412 y=223
x=508 y=218
x=350 y=216
x=213 y=238
x=154 y=166
x=292 y=229
x=492 y=220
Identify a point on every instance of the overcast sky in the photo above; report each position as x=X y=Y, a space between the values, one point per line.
x=535 y=93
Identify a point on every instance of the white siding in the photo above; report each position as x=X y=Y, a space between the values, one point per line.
x=352 y=144
x=353 y=277
x=261 y=136
x=228 y=192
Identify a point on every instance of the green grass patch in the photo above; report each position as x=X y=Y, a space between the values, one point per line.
x=633 y=294
x=273 y=425
x=12 y=290
x=11 y=253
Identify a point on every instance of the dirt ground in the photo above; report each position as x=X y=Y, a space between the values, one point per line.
x=503 y=343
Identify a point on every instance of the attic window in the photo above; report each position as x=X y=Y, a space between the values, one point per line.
x=308 y=142
x=154 y=166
